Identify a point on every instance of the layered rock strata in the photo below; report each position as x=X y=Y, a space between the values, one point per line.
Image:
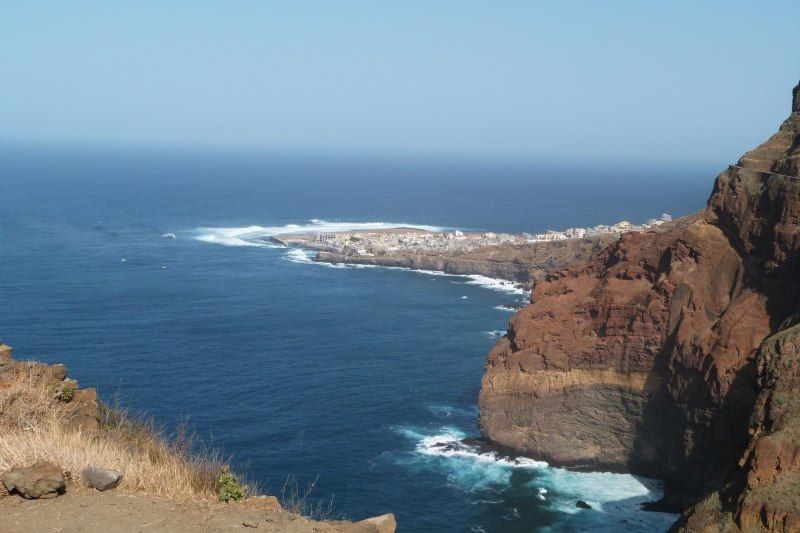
x=671 y=353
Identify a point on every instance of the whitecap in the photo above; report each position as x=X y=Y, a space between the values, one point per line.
x=448 y=444
x=169 y=235
x=297 y=255
x=233 y=237
x=495 y=333
x=245 y=236
x=495 y=284
x=615 y=498
x=506 y=308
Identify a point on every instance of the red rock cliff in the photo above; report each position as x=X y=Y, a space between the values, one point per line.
x=665 y=353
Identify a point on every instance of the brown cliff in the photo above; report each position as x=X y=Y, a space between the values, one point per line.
x=670 y=354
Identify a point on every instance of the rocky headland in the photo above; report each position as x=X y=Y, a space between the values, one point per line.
x=519 y=263
x=519 y=258
x=674 y=354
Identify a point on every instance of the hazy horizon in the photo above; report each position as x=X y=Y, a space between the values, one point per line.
x=510 y=82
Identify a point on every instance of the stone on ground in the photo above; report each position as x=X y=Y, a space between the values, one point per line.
x=40 y=480
x=378 y=524
x=101 y=478
x=262 y=503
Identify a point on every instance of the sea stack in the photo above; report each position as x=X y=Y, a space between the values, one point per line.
x=674 y=354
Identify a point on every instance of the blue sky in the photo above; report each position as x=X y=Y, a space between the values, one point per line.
x=640 y=80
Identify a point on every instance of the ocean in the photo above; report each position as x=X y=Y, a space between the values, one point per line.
x=126 y=266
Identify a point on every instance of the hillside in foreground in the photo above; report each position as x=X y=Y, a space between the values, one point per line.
x=69 y=463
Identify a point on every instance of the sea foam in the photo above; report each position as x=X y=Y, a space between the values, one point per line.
x=495 y=284
x=252 y=235
x=615 y=498
x=448 y=444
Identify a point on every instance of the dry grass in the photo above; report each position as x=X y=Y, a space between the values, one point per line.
x=152 y=461
x=298 y=501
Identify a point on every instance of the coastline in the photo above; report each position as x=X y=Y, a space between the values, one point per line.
x=521 y=264
x=520 y=258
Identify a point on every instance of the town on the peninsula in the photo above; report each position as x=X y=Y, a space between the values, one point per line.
x=382 y=242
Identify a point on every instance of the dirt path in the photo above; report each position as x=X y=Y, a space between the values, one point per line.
x=103 y=512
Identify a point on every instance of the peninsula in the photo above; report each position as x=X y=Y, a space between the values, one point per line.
x=520 y=258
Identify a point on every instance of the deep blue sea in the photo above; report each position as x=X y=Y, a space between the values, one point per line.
x=343 y=375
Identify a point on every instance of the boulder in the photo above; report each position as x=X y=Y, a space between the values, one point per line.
x=580 y=504
x=45 y=371
x=6 y=362
x=378 y=524
x=262 y=503
x=40 y=480
x=86 y=413
x=101 y=478
x=5 y=351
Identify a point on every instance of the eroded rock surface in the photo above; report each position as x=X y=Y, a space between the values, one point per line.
x=658 y=355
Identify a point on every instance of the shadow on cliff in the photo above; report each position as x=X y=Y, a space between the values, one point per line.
x=687 y=436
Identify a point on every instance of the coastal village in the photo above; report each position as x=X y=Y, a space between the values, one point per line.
x=409 y=240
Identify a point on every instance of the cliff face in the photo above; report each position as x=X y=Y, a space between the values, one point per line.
x=658 y=355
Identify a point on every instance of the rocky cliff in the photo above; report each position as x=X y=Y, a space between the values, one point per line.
x=674 y=354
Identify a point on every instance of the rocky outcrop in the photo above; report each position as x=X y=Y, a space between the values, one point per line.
x=84 y=412
x=658 y=355
x=379 y=524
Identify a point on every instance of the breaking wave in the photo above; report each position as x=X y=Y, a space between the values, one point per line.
x=259 y=235
x=449 y=444
x=296 y=255
x=495 y=284
x=615 y=499
x=506 y=308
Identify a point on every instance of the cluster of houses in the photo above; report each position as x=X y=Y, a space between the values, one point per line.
x=370 y=243
x=603 y=229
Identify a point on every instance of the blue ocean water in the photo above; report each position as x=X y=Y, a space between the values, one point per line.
x=346 y=376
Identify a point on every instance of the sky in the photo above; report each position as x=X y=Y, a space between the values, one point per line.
x=637 y=80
